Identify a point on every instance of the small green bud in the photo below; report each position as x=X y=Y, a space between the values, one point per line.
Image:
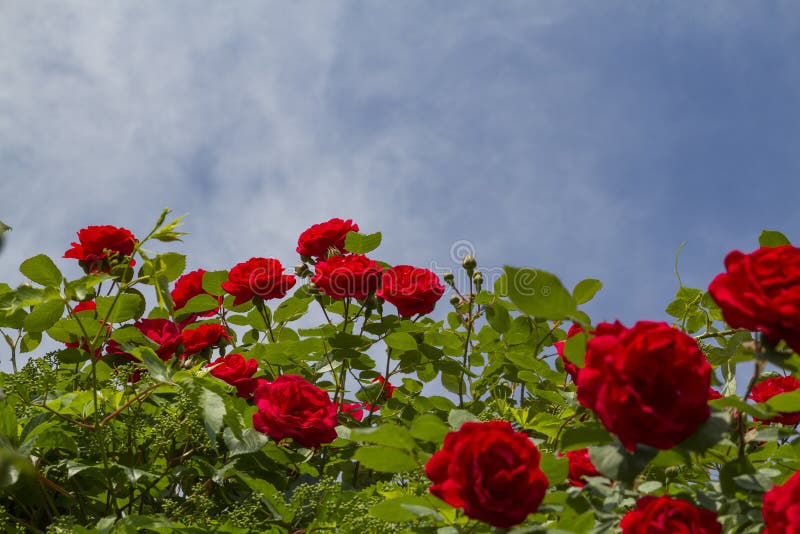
x=313 y=289
x=449 y=278
x=455 y=300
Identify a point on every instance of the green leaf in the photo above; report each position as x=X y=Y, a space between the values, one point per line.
x=356 y=243
x=157 y=368
x=30 y=341
x=72 y=356
x=498 y=317
x=343 y=340
x=753 y=482
x=79 y=289
x=428 y=427
x=124 y=307
x=44 y=316
x=167 y=232
x=582 y=435
x=772 y=238
x=401 y=341
x=456 y=418
x=8 y=422
x=585 y=290
x=4 y=228
x=396 y=509
x=248 y=441
x=213 y=280
x=709 y=433
x=199 y=304
x=385 y=459
x=389 y=435
x=554 y=468
x=68 y=329
x=785 y=402
x=730 y=473
x=213 y=412
x=650 y=486
x=22 y=297
x=291 y=309
x=617 y=463
x=42 y=270
x=539 y=294
x=575 y=348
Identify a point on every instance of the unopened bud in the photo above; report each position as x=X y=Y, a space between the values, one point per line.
x=313 y=289
x=302 y=270
x=469 y=263
x=478 y=279
x=371 y=302
x=449 y=278
x=455 y=300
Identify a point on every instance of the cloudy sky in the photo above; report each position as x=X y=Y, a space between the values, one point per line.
x=586 y=138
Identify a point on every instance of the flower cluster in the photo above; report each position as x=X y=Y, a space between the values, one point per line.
x=646 y=386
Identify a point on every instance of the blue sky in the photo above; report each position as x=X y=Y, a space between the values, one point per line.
x=586 y=138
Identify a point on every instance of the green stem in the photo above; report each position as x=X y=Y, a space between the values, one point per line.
x=465 y=359
x=721 y=333
x=758 y=368
x=99 y=436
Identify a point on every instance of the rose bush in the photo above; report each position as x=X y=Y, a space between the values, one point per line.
x=348 y=397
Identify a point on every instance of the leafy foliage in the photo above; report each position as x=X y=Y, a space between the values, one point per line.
x=107 y=434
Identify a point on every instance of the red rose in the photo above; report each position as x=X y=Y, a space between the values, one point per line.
x=647 y=384
x=580 y=465
x=347 y=276
x=571 y=369
x=292 y=407
x=99 y=247
x=188 y=286
x=766 y=389
x=761 y=292
x=413 y=290
x=655 y=515
x=164 y=332
x=202 y=337
x=236 y=371
x=713 y=394
x=258 y=277
x=317 y=241
x=489 y=470
x=781 y=509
